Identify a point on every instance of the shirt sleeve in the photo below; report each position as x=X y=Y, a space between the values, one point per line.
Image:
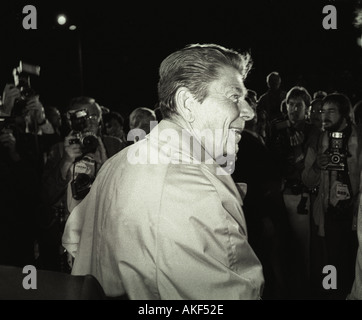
x=203 y=252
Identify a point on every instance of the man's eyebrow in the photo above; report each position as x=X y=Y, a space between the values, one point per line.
x=239 y=90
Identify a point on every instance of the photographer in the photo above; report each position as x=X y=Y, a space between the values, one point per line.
x=331 y=166
x=22 y=103
x=19 y=185
x=71 y=167
x=289 y=135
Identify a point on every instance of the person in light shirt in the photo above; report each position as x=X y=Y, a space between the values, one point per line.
x=164 y=219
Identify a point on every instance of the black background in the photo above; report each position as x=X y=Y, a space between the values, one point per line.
x=123 y=44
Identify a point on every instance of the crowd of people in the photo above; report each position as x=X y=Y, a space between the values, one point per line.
x=75 y=200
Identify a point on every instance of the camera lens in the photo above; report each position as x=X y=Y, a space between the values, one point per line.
x=335 y=158
x=90 y=141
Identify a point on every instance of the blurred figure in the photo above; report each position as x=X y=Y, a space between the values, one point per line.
x=19 y=182
x=320 y=94
x=314 y=118
x=357 y=112
x=356 y=291
x=140 y=119
x=263 y=204
x=35 y=132
x=314 y=113
x=54 y=117
x=68 y=175
x=271 y=100
x=113 y=123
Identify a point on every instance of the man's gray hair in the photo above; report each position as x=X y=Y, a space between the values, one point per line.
x=195 y=67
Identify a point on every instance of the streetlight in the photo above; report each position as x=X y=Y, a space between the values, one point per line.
x=63 y=21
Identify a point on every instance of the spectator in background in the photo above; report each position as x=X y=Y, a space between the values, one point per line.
x=314 y=113
x=263 y=204
x=271 y=100
x=357 y=113
x=113 y=123
x=53 y=115
x=320 y=94
x=356 y=291
x=140 y=119
x=20 y=168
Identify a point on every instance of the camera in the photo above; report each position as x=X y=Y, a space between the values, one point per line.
x=336 y=151
x=78 y=123
x=81 y=185
x=87 y=140
x=22 y=75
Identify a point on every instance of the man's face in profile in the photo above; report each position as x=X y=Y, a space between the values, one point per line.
x=223 y=112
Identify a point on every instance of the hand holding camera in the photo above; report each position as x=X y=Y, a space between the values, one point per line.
x=322 y=160
x=35 y=109
x=10 y=94
x=72 y=150
x=22 y=76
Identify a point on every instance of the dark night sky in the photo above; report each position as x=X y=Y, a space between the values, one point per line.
x=123 y=45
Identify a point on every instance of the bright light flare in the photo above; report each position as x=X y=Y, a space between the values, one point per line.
x=61 y=19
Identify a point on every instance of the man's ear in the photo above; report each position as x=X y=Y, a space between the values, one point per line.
x=185 y=104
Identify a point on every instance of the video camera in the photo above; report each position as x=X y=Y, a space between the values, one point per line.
x=22 y=75
x=337 y=152
x=78 y=123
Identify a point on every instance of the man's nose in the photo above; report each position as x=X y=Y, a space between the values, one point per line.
x=246 y=112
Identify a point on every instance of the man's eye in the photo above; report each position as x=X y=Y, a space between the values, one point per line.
x=235 y=98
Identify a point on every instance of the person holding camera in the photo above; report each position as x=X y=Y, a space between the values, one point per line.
x=69 y=172
x=287 y=143
x=332 y=166
x=19 y=187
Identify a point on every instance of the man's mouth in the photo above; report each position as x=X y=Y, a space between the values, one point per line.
x=237 y=133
